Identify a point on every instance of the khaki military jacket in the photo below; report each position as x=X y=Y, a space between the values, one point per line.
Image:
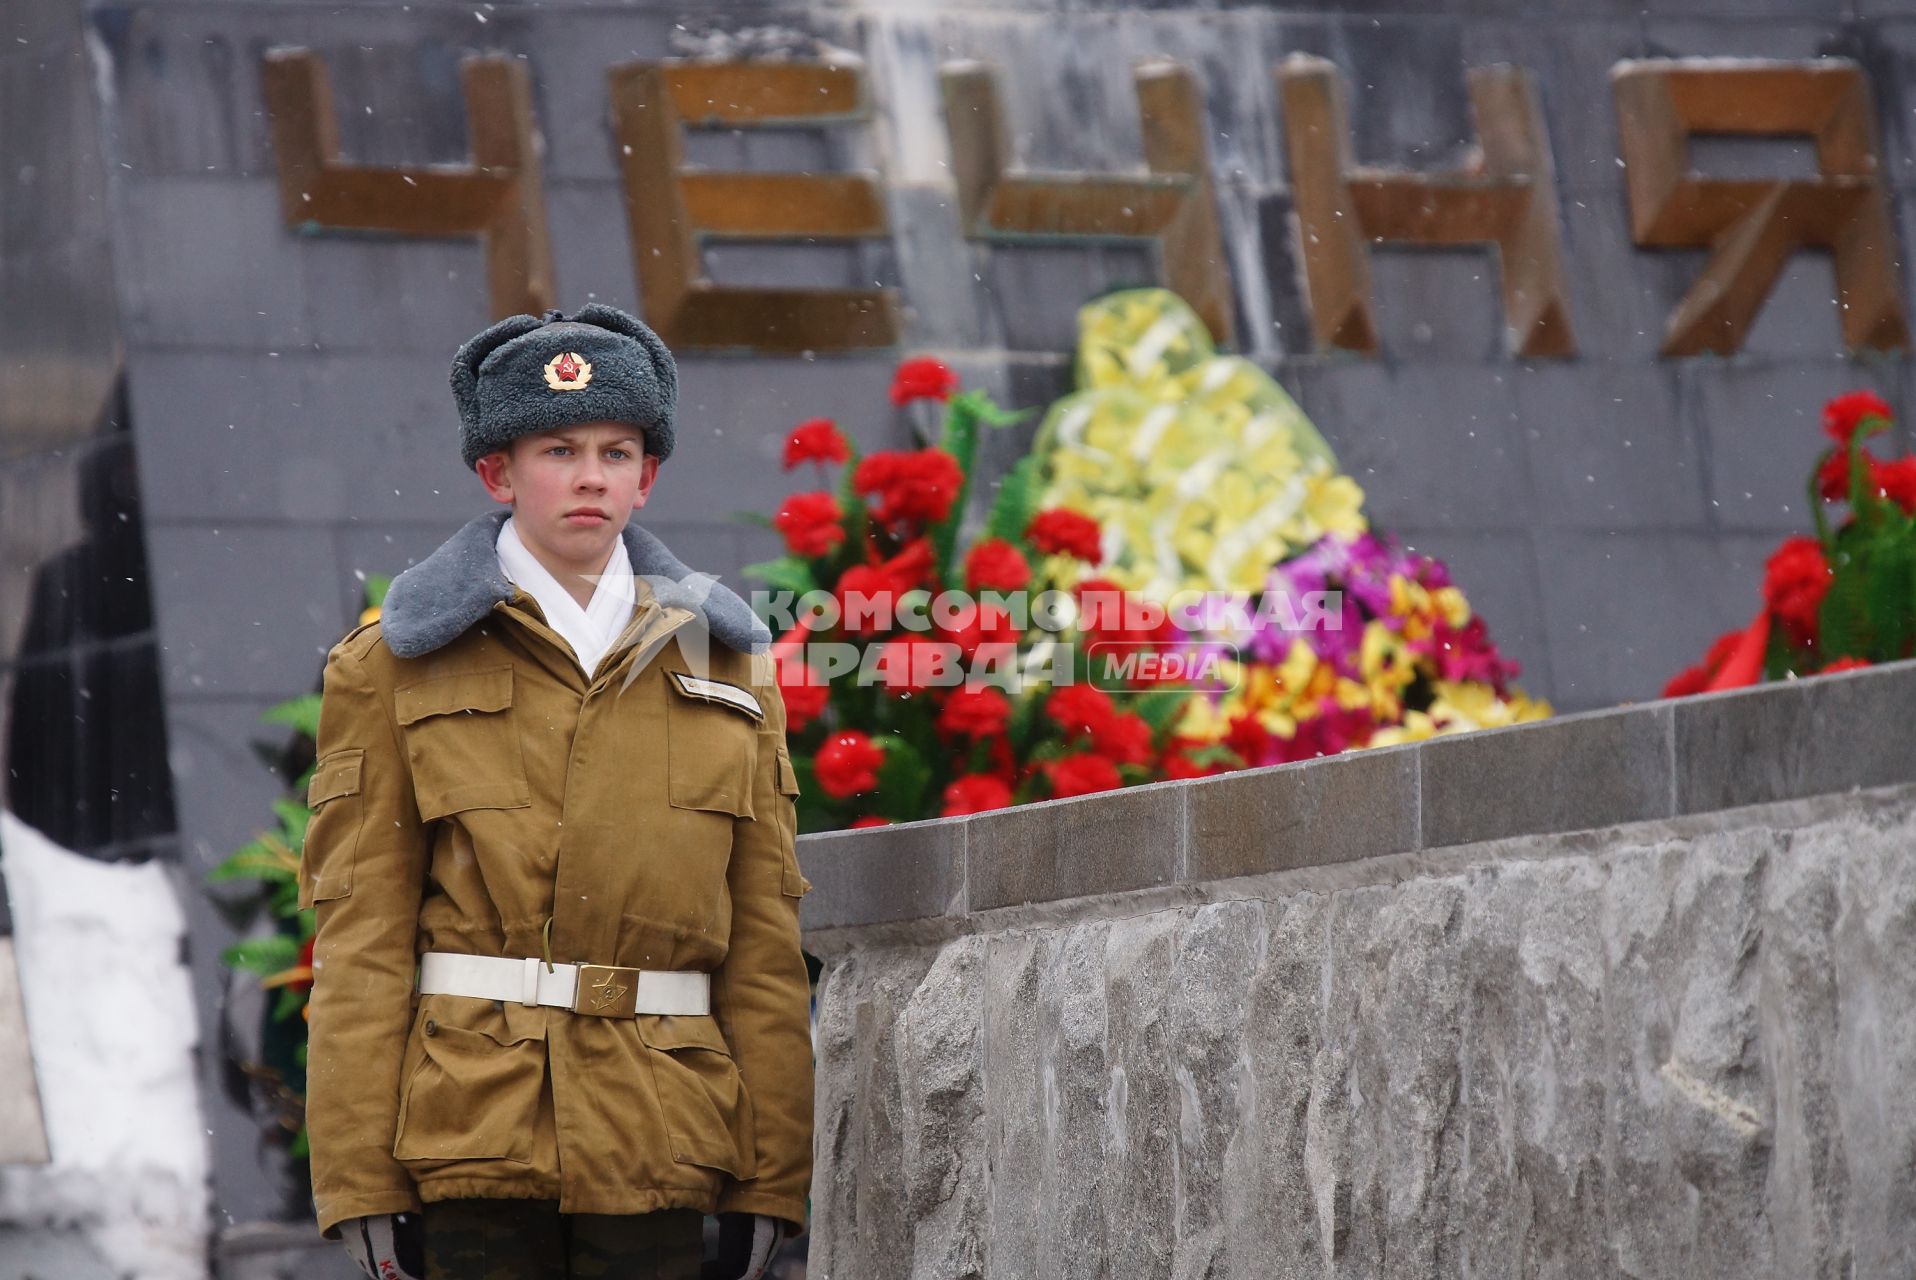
x=477 y=793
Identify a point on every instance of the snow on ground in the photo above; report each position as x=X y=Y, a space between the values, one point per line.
x=110 y=1016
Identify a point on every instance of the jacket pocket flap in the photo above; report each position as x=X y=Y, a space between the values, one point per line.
x=730 y=695
x=335 y=776
x=787 y=775
x=466 y=691
x=464 y=1021
x=682 y=1031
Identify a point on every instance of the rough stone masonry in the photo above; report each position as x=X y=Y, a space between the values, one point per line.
x=1672 y=1048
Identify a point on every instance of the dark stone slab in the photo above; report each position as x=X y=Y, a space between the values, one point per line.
x=246 y=609
x=207 y=262
x=1567 y=774
x=1117 y=840
x=1622 y=457
x=1781 y=742
x=1311 y=814
x=1760 y=426
x=1621 y=296
x=1438 y=446
x=1437 y=304
x=876 y=876
x=1627 y=609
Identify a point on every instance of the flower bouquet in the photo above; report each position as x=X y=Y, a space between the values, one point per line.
x=1845 y=597
x=1398 y=657
x=917 y=680
x=1208 y=481
x=1177 y=508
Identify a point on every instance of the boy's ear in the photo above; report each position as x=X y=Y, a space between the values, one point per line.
x=648 y=476
x=496 y=474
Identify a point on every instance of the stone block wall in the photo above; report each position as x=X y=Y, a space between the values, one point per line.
x=1625 y=994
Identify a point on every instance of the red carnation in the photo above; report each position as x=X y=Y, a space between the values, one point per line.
x=982 y=624
x=974 y=793
x=974 y=711
x=1845 y=414
x=848 y=764
x=1832 y=478
x=816 y=441
x=922 y=378
x=809 y=523
x=1099 y=592
x=913 y=564
x=1247 y=736
x=1896 y=481
x=1081 y=775
x=869 y=820
x=803 y=693
x=995 y=565
x=1062 y=531
x=918 y=484
x=1108 y=614
x=1179 y=764
x=868 y=594
x=804 y=703
x=867 y=599
x=1079 y=708
x=1846 y=664
x=1796 y=579
x=910 y=662
x=1124 y=738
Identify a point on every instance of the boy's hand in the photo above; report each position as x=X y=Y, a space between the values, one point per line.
x=387 y=1246
x=746 y=1244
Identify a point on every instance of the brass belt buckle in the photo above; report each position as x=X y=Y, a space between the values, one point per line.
x=607 y=990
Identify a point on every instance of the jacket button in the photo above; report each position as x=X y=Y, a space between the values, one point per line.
x=432 y=1028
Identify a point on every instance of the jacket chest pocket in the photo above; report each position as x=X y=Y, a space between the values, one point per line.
x=461 y=743
x=711 y=744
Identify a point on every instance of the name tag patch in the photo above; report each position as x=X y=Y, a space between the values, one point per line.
x=718 y=691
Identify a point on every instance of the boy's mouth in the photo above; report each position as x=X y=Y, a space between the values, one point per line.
x=586 y=517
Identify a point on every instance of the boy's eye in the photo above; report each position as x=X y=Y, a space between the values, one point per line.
x=557 y=448
x=620 y=452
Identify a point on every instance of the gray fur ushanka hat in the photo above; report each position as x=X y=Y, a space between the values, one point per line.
x=530 y=373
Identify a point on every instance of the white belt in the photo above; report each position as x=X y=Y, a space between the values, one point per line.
x=609 y=991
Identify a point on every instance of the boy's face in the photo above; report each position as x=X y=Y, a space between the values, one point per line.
x=572 y=489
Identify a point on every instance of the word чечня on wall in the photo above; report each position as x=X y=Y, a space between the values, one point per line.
x=1503 y=196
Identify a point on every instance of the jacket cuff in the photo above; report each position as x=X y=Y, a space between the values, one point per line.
x=748 y=1200
x=338 y=1209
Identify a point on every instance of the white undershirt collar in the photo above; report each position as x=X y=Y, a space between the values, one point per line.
x=589 y=631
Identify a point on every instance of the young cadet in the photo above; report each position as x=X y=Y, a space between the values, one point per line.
x=553 y=777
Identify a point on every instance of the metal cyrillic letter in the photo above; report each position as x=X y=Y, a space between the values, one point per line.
x=1754 y=226
x=670 y=209
x=500 y=197
x=1505 y=196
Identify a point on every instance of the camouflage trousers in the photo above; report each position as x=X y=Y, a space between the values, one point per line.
x=532 y=1240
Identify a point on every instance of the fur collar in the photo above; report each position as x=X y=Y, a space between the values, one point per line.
x=432 y=603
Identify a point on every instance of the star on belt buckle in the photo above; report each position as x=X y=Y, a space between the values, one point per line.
x=607 y=990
